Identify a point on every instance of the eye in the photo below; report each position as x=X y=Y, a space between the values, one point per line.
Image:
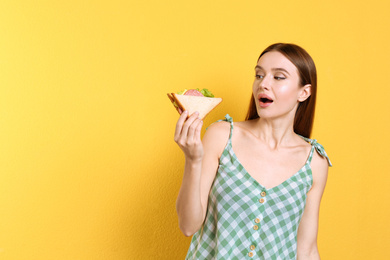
x=279 y=77
x=259 y=76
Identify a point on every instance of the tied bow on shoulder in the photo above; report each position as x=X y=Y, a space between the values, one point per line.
x=320 y=149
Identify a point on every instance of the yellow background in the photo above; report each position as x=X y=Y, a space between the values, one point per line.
x=88 y=165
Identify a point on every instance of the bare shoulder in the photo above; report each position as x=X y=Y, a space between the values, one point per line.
x=216 y=137
x=219 y=128
x=319 y=165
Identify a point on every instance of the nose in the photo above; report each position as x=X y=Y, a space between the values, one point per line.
x=264 y=83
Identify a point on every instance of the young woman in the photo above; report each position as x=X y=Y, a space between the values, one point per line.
x=252 y=189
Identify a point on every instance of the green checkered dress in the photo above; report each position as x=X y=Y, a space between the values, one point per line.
x=245 y=220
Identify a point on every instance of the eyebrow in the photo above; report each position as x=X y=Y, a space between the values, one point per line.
x=273 y=69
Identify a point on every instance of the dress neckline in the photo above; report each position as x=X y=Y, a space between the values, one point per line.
x=249 y=176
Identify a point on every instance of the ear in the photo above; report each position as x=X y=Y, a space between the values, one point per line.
x=305 y=93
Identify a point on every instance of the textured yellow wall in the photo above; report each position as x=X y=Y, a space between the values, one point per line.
x=88 y=166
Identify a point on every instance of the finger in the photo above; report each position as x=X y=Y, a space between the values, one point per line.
x=179 y=124
x=192 y=129
x=198 y=130
x=187 y=124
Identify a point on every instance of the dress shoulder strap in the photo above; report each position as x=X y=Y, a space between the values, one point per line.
x=230 y=120
x=318 y=147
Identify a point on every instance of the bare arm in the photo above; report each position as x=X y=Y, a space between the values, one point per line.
x=308 y=228
x=201 y=164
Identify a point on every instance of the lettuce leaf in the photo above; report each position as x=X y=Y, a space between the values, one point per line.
x=206 y=92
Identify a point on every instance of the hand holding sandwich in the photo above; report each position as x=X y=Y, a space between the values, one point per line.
x=187 y=136
x=196 y=104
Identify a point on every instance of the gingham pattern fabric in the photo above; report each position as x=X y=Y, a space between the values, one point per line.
x=244 y=220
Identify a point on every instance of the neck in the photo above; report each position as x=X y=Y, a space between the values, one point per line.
x=276 y=132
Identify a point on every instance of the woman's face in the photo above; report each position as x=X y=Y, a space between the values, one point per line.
x=276 y=87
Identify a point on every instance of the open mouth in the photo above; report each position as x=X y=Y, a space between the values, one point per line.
x=266 y=100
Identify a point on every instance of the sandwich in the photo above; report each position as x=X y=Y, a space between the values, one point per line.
x=193 y=100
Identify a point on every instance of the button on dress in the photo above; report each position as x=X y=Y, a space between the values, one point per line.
x=244 y=220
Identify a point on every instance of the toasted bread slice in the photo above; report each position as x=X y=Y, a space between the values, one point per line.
x=203 y=105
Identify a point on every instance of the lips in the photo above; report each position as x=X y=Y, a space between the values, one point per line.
x=264 y=100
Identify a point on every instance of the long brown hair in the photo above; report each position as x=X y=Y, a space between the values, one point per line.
x=304 y=116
